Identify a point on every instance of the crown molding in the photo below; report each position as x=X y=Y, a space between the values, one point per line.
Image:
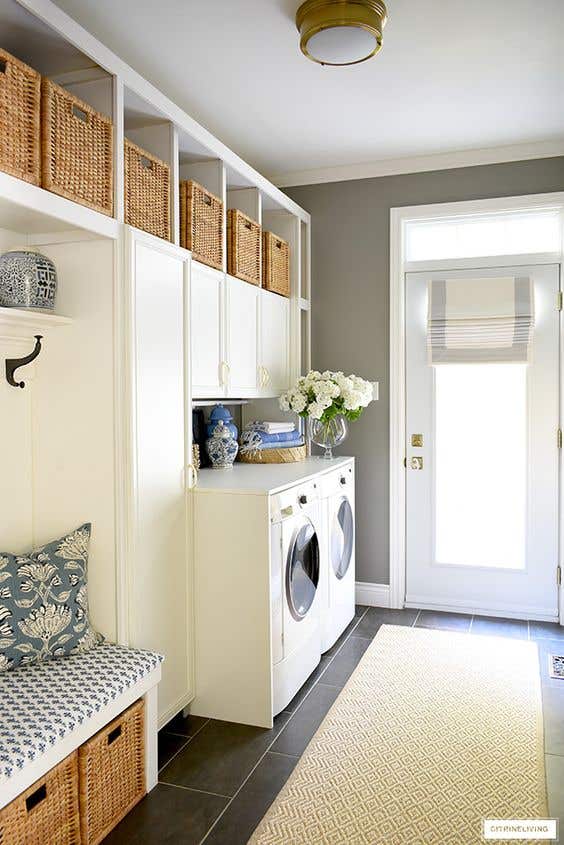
x=420 y=164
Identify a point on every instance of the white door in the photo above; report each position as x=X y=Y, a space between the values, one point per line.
x=242 y=337
x=275 y=342
x=482 y=460
x=209 y=371
x=158 y=600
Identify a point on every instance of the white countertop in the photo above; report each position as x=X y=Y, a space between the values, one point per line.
x=262 y=479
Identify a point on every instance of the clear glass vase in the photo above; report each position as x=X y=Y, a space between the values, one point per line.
x=329 y=434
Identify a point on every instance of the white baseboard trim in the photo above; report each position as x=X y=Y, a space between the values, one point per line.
x=373 y=595
x=501 y=609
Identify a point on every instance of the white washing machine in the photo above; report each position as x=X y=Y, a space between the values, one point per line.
x=259 y=575
x=338 y=557
x=296 y=571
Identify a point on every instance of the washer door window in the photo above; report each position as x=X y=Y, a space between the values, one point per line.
x=302 y=571
x=342 y=537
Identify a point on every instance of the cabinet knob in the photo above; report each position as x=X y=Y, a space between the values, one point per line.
x=343 y=480
x=302 y=499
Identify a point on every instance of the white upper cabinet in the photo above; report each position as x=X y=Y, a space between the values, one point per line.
x=242 y=337
x=207 y=335
x=275 y=343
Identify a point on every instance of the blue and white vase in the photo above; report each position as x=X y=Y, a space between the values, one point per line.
x=27 y=280
x=222 y=447
x=220 y=412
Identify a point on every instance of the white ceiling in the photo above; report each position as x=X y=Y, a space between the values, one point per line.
x=452 y=75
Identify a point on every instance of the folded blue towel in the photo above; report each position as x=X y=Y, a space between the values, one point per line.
x=251 y=440
x=287 y=445
x=283 y=437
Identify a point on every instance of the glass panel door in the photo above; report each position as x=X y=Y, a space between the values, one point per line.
x=482 y=464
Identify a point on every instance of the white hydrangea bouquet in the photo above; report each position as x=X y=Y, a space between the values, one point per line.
x=326 y=400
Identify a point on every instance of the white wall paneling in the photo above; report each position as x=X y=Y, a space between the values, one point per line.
x=73 y=418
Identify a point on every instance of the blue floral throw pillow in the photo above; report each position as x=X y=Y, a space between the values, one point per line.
x=44 y=602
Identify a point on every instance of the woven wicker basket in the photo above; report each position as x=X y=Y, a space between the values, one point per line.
x=243 y=247
x=275 y=264
x=20 y=99
x=287 y=455
x=47 y=812
x=111 y=769
x=147 y=191
x=201 y=224
x=76 y=149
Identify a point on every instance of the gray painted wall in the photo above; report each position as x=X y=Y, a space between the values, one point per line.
x=350 y=255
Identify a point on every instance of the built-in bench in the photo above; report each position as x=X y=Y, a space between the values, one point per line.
x=47 y=710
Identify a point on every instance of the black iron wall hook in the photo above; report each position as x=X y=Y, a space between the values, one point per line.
x=12 y=364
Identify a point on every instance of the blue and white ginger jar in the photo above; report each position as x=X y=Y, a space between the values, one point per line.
x=220 y=412
x=222 y=447
x=27 y=280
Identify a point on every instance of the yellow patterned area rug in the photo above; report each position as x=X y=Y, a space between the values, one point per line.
x=434 y=732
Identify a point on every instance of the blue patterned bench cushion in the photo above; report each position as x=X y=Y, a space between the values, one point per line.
x=44 y=702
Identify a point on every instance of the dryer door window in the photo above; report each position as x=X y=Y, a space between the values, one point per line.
x=302 y=571
x=342 y=537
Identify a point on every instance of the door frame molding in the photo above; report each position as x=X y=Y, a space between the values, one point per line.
x=399 y=217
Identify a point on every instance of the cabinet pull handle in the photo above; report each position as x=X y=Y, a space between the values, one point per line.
x=223 y=372
x=192 y=475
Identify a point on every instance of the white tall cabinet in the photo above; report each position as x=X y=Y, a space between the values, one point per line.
x=158 y=598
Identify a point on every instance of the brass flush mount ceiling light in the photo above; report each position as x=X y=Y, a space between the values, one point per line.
x=341 y=32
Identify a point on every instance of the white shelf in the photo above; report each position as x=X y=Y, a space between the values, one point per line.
x=30 y=210
x=21 y=322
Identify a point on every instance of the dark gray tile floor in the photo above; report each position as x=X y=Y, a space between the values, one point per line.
x=217 y=779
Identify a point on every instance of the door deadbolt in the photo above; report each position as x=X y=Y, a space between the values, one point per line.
x=416 y=463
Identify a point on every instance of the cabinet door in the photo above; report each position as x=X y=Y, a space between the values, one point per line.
x=275 y=342
x=158 y=604
x=242 y=321
x=207 y=334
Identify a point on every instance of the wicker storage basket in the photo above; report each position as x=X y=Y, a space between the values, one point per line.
x=111 y=769
x=243 y=247
x=147 y=191
x=275 y=264
x=76 y=149
x=201 y=224
x=20 y=98
x=287 y=455
x=47 y=812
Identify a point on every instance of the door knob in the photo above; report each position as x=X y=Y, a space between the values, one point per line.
x=416 y=463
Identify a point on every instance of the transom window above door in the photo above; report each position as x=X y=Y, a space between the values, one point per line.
x=504 y=233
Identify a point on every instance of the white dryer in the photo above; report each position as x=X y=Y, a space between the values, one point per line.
x=338 y=558
x=296 y=571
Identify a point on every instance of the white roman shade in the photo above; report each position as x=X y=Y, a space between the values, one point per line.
x=480 y=320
